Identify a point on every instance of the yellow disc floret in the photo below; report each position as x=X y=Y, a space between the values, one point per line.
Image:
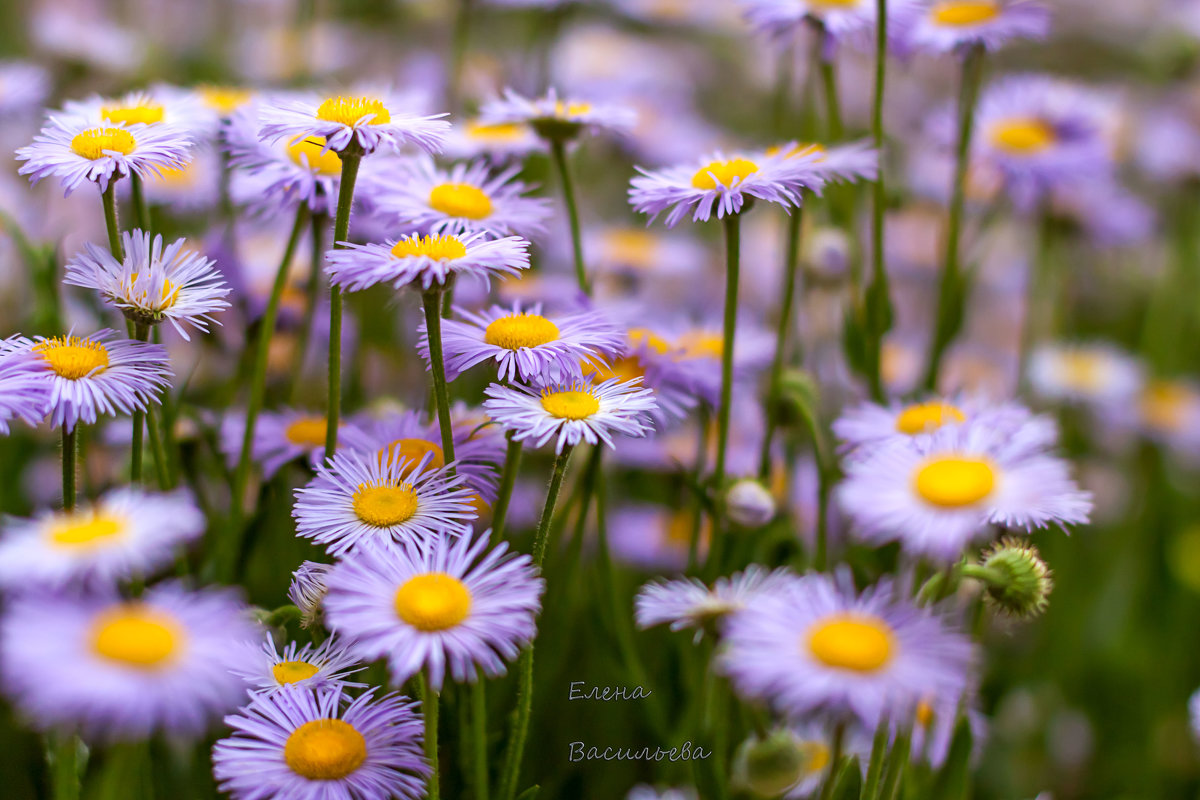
x=925 y=417
x=519 y=330
x=439 y=248
x=413 y=450
x=961 y=13
x=570 y=404
x=1023 y=135
x=95 y=143
x=84 y=530
x=434 y=601
x=307 y=431
x=954 y=481
x=325 y=162
x=73 y=357
x=726 y=173
x=349 y=110
x=460 y=200
x=294 y=671
x=859 y=643
x=383 y=506
x=136 y=636
x=325 y=750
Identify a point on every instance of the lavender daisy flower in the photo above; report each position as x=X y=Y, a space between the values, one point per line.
x=844 y=163
x=267 y=669
x=78 y=153
x=723 y=184
x=812 y=646
x=153 y=283
x=425 y=260
x=24 y=392
x=645 y=358
x=688 y=603
x=307 y=590
x=947 y=25
x=369 y=122
x=162 y=105
x=938 y=494
x=300 y=745
x=463 y=199
x=358 y=498
x=283 y=173
x=124 y=669
x=126 y=533
x=444 y=603
x=497 y=141
x=194 y=188
x=850 y=20
x=90 y=375
x=555 y=118
x=1096 y=373
x=574 y=412
x=525 y=344
x=279 y=437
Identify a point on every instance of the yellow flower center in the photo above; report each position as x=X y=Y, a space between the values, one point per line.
x=325 y=750
x=816 y=757
x=386 y=505
x=499 y=132
x=349 y=110
x=644 y=336
x=860 y=643
x=225 y=99
x=925 y=417
x=84 y=531
x=964 y=12
x=439 y=248
x=73 y=357
x=726 y=173
x=702 y=344
x=626 y=368
x=95 y=143
x=1164 y=405
x=460 y=200
x=413 y=450
x=146 y=111
x=167 y=298
x=433 y=602
x=570 y=404
x=1081 y=370
x=325 y=163
x=520 y=330
x=953 y=481
x=1023 y=135
x=479 y=506
x=136 y=636
x=307 y=431
x=293 y=671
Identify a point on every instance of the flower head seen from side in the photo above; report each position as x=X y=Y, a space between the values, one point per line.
x=554 y=118
x=307 y=590
x=947 y=25
x=369 y=122
x=723 y=185
x=939 y=494
x=572 y=412
x=266 y=668
x=813 y=646
x=296 y=744
x=118 y=669
x=99 y=374
x=126 y=533
x=360 y=498
x=524 y=343
x=497 y=142
x=153 y=283
x=160 y=105
x=284 y=172
x=426 y=261
x=79 y=153
x=688 y=603
x=23 y=391
x=445 y=605
x=845 y=163
x=465 y=198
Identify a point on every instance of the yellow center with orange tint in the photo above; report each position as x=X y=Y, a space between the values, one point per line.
x=926 y=417
x=460 y=200
x=725 y=173
x=858 y=642
x=136 y=636
x=325 y=750
x=307 y=431
x=73 y=357
x=413 y=450
x=307 y=151
x=349 y=110
x=519 y=330
x=434 y=601
x=439 y=248
x=85 y=530
x=95 y=143
x=383 y=506
x=961 y=13
x=954 y=481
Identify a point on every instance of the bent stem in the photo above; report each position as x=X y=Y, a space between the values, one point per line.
x=512 y=463
x=351 y=158
x=558 y=150
x=732 y=262
x=791 y=261
x=437 y=367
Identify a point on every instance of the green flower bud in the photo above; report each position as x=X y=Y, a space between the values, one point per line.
x=1016 y=579
x=769 y=767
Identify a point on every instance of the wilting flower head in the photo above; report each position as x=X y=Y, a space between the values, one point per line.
x=89 y=375
x=125 y=533
x=358 y=498
x=23 y=391
x=525 y=344
x=80 y=153
x=572 y=412
x=369 y=122
x=814 y=646
x=462 y=199
x=722 y=185
x=938 y=494
x=447 y=603
x=265 y=668
x=305 y=745
x=688 y=603
x=946 y=25
x=153 y=283
x=425 y=261
x=124 y=669
x=555 y=118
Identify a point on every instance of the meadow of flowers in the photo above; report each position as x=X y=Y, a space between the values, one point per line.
x=599 y=400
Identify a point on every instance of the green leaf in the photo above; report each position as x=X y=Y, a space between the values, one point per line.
x=952 y=782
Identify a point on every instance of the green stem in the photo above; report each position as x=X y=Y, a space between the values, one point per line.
x=512 y=463
x=950 y=292
x=790 y=268
x=429 y=707
x=479 y=736
x=543 y=529
x=109 y=198
x=141 y=213
x=65 y=766
x=897 y=763
x=320 y=222
x=835 y=758
x=833 y=107
x=732 y=263
x=878 y=311
x=458 y=53
x=558 y=150
x=703 y=417
x=875 y=765
x=437 y=367
x=68 y=467
x=258 y=383
x=351 y=158
x=780 y=98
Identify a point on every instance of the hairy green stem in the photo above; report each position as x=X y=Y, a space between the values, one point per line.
x=68 y=467
x=732 y=263
x=111 y=223
x=512 y=463
x=351 y=158
x=558 y=151
x=437 y=367
x=784 y=328
x=877 y=302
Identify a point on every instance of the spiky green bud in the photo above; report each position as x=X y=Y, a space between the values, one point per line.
x=1016 y=579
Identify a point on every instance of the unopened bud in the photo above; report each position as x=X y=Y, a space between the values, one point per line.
x=308 y=590
x=769 y=767
x=1015 y=577
x=749 y=504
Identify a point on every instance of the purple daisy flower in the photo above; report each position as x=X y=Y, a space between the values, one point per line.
x=24 y=391
x=124 y=669
x=846 y=163
x=722 y=184
x=497 y=142
x=300 y=745
x=465 y=198
x=78 y=153
x=646 y=356
x=552 y=117
x=940 y=493
x=948 y=25
x=525 y=344
x=372 y=121
x=574 y=412
x=279 y=437
x=813 y=646
x=102 y=373
x=267 y=669
x=366 y=498
x=161 y=105
x=153 y=283
x=446 y=603
x=426 y=261
x=688 y=603
x=125 y=533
